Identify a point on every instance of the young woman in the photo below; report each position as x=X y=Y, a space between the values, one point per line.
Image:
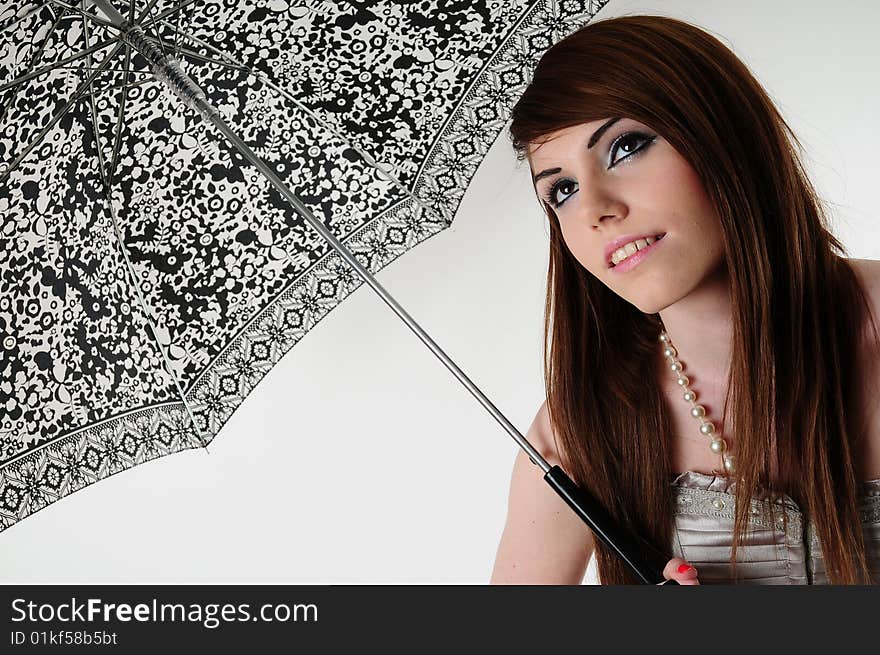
x=705 y=338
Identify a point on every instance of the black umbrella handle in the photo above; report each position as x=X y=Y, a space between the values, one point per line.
x=604 y=527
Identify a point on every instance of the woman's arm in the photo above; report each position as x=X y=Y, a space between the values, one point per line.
x=544 y=541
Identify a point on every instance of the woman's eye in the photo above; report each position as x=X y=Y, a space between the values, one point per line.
x=630 y=143
x=553 y=197
x=627 y=142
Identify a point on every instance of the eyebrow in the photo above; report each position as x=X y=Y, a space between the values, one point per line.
x=593 y=139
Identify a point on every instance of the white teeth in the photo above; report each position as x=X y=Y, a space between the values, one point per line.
x=631 y=248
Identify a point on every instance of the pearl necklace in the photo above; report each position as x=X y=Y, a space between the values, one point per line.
x=707 y=428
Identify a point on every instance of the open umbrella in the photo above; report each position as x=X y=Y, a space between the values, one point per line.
x=152 y=274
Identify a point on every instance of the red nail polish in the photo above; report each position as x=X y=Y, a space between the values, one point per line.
x=684 y=567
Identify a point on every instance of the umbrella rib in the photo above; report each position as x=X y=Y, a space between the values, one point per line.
x=143 y=303
x=77 y=95
x=105 y=180
x=177 y=30
x=60 y=62
x=36 y=57
x=143 y=15
x=122 y=97
x=91 y=90
x=194 y=55
x=84 y=13
x=339 y=135
x=155 y=30
x=131 y=85
x=106 y=70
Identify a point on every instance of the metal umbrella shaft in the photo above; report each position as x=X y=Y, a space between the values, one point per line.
x=167 y=69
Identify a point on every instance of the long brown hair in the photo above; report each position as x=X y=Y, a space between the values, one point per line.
x=796 y=302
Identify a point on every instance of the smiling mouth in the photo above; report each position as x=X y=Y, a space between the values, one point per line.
x=611 y=264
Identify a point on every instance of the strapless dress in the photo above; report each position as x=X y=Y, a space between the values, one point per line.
x=774 y=552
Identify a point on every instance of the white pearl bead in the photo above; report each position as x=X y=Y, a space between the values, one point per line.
x=669 y=351
x=690 y=396
x=728 y=463
x=698 y=411
x=707 y=428
x=683 y=380
x=663 y=337
x=718 y=503
x=676 y=366
x=717 y=445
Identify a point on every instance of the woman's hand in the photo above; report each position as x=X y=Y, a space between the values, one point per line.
x=679 y=570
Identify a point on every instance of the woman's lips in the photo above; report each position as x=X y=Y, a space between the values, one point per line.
x=635 y=259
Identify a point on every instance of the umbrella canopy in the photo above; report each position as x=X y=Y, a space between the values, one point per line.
x=150 y=276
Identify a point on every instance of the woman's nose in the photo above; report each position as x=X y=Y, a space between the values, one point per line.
x=597 y=203
x=600 y=210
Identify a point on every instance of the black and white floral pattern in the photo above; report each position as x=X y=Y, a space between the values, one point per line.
x=231 y=275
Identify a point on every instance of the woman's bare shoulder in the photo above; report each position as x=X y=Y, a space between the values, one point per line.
x=542 y=437
x=868 y=271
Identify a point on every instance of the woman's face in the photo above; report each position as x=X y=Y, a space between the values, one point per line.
x=627 y=181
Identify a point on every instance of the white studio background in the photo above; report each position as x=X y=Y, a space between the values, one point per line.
x=359 y=459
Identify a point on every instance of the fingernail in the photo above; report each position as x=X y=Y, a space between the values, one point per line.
x=683 y=568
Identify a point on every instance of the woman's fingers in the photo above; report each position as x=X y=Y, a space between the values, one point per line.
x=681 y=571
